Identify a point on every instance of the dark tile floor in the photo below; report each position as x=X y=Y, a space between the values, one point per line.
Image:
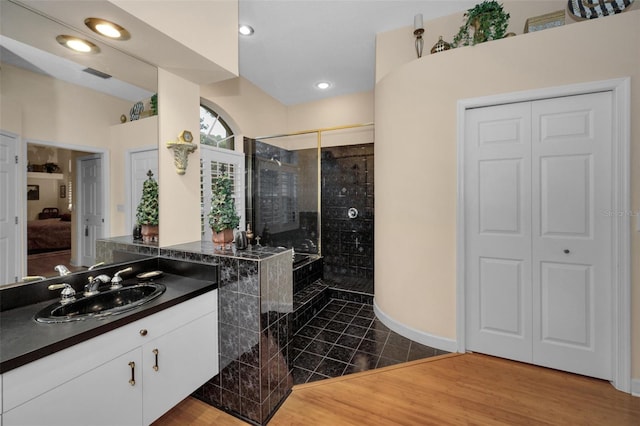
x=346 y=337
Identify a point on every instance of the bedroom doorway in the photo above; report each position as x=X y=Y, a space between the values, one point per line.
x=51 y=204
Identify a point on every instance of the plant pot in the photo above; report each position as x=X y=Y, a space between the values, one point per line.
x=222 y=238
x=149 y=233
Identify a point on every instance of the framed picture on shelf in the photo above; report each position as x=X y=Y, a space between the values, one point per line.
x=33 y=192
x=63 y=191
x=542 y=22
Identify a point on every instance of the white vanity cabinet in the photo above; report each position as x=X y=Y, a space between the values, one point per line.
x=99 y=397
x=176 y=364
x=111 y=380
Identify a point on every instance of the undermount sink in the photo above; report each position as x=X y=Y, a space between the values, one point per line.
x=110 y=302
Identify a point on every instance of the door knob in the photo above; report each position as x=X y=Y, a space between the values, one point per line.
x=566 y=251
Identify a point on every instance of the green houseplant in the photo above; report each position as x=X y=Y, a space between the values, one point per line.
x=223 y=218
x=488 y=20
x=147 y=212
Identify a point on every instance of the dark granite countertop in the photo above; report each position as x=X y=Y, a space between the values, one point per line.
x=23 y=340
x=204 y=250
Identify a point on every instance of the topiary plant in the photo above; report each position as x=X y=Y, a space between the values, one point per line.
x=488 y=20
x=223 y=210
x=147 y=212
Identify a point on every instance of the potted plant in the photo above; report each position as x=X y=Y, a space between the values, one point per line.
x=223 y=218
x=488 y=20
x=147 y=212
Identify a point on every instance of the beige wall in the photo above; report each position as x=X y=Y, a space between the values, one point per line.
x=253 y=113
x=56 y=111
x=415 y=154
x=179 y=195
x=247 y=109
x=208 y=28
x=39 y=108
x=396 y=47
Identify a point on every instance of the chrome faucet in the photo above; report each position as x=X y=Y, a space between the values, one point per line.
x=67 y=295
x=116 y=281
x=92 y=267
x=62 y=270
x=92 y=286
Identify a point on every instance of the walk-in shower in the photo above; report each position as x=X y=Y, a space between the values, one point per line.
x=313 y=191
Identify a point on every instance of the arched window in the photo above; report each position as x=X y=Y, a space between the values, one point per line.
x=213 y=129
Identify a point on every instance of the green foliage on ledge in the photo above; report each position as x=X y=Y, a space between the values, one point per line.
x=488 y=20
x=223 y=209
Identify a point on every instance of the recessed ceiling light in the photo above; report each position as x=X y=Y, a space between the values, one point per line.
x=77 y=44
x=323 y=85
x=245 y=30
x=107 y=29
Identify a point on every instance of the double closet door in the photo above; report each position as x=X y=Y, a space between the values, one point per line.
x=538 y=240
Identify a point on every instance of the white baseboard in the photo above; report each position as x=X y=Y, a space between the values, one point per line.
x=635 y=387
x=422 y=337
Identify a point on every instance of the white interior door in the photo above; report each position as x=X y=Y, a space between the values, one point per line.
x=91 y=208
x=141 y=162
x=572 y=238
x=9 y=229
x=498 y=239
x=538 y=264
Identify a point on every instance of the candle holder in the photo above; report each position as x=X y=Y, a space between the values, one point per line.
x=417 y=32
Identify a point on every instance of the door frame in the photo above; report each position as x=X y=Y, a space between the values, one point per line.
x=22 y=164
x=621 y=228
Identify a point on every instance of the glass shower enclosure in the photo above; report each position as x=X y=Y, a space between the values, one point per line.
x=313 y=191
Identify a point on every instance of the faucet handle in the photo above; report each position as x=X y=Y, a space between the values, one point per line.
x=116 y=281
x=68 y=294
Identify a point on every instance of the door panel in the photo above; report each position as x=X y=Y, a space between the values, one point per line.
x=567 y=304
x=565 y=180
x=91 y=207
x=571 y=238
x=501 y=303
x=8 y=210
x=500 y=183
x=497 y=210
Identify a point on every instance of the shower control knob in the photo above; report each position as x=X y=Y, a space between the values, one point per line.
x=352 y=213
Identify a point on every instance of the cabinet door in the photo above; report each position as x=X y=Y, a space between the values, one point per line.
x=177 y=363
x=103 y=396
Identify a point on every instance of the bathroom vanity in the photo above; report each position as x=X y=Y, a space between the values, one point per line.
x=125 y=369
x=221 y=332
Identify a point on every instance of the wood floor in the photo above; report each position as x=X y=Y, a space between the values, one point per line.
x=458 y=389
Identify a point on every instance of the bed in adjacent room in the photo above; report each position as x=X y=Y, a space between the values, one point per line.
x=51 y=232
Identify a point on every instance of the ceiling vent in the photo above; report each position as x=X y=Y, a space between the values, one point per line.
x=96 y=73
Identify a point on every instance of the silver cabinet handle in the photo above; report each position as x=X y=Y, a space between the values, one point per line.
x=132 y=382
x=156 y=367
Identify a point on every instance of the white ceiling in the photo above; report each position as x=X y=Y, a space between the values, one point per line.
x=296 y=42
x=300 y=42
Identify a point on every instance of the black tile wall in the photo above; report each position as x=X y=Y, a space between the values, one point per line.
x=347 y=244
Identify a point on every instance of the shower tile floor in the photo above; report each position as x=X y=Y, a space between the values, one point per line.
x=345 y=337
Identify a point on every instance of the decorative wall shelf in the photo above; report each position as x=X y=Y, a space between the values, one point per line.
x=41 y=175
